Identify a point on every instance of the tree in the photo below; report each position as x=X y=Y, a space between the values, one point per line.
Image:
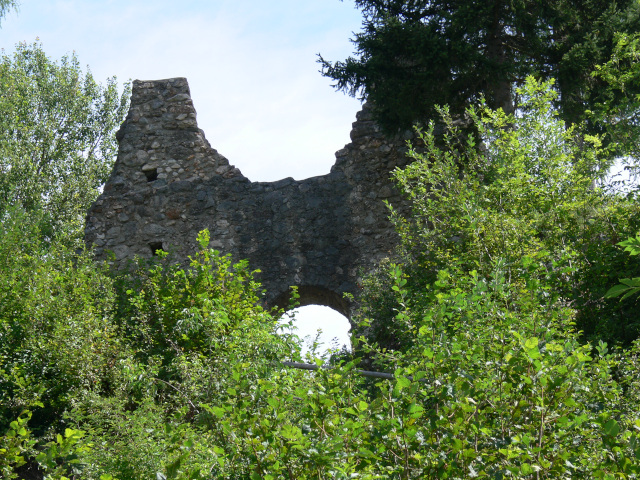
x=619 y=104
x=533 y=190
x=6 y=6
x=414 y=55
x=57 y=334
x=57 y=136
x=479 y=299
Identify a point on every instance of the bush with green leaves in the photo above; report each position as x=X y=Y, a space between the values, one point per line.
x=188 y=330
x=530 y=188
x=501 y=387
x=482 y=298
x=57 y=334
x=207 y=312
x=627 y=286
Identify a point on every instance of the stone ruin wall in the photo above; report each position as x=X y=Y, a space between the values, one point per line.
x=320 y=234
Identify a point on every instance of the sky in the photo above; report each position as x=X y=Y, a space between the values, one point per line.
x=251 y=66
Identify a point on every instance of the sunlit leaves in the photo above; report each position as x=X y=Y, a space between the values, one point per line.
x=57 y=142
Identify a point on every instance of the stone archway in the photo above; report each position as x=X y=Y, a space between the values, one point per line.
x=313 y=295
x=168 y=184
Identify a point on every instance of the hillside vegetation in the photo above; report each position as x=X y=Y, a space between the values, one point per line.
x=508 y=316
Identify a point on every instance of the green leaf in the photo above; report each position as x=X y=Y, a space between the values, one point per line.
x=611 y=428
x=402 y=382
x=203 y=238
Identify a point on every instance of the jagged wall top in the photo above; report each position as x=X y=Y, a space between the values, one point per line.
x=319 y=234
x=163 y=135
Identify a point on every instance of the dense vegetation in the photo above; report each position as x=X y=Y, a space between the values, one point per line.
x=175 y=373
x=508 y=359
x=413 y=55
x=58 y=137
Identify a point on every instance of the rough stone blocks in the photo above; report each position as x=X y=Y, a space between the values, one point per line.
x=320 y=234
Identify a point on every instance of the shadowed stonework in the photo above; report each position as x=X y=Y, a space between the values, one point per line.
x=168 y=184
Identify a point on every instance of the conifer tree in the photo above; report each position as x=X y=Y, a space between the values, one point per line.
x=412 y=55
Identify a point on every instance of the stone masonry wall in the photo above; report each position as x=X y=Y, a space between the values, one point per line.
x=168 y=184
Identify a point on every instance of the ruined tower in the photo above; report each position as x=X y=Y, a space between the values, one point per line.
x=319 y=234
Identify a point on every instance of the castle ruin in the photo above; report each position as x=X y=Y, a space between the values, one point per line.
x=320 y=234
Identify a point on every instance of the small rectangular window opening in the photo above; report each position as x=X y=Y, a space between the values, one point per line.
x=152 y=174
x=155 y=246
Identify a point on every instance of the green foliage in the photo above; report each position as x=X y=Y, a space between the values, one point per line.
x=129 y=438
x=58 y=341
x=209 y=309
x=602 y=263
x=21 y=452
x=493 y=383
x=500 y=386
x=496 y=239
x=189 y=332
x=6 y=6
x=58 y=137
x=619 y=103
x=63 y=455
x=414 y=55
x=57 y=336
x=531 y=181
x=627 y=286
x=14 y=445
x=632 y=245
x=531 y=189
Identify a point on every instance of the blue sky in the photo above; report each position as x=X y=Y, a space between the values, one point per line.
x=251 y=66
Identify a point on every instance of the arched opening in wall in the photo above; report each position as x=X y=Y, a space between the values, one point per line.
x=314 y=295
x=319 y=309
